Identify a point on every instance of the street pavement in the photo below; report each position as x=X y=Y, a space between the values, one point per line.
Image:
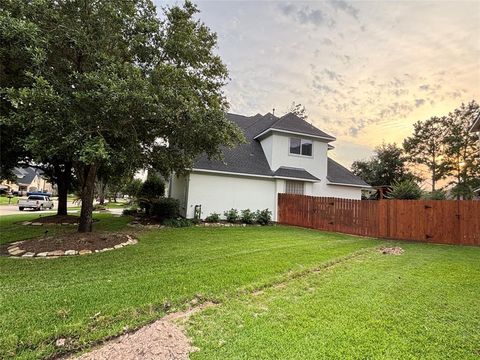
x=13 y=209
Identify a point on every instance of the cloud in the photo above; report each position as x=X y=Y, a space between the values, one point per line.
x=332 y=75
x=306 y=15
x=345 y=7
x=326 y=41
x=419 y=102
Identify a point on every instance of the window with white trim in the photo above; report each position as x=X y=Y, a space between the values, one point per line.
x=301 y=146
x=294 y=187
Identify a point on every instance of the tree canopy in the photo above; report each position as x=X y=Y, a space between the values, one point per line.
x=118 y=84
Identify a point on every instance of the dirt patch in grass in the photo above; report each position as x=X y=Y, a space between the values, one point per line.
x=58 y=219
x=164 y=339
x=74 y=241
x=391 y=250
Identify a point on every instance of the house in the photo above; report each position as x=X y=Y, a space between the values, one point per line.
x=28 y=179
x=282 y=155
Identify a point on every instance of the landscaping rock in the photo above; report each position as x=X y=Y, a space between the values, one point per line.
x=16 y=252
x=56 y=253
x=28 y=254
x=26 y=223
x=85 y=252
x=42 y=254
x=118 y=246
x=71 y=252
x=36 y=224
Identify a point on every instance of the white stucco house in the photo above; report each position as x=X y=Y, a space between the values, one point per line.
x=283 y=155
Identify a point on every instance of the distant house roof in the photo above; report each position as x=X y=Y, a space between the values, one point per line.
x=337 y=174
x=476 y=124
x=26 y=175
x=249 y=158
x=295 y=173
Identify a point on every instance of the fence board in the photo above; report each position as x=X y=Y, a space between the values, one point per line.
x=437 y=221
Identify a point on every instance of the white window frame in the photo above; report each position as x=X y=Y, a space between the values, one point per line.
x=302 y=141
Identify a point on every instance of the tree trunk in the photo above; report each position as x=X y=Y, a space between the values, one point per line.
x=87 y=195
x=64 y=179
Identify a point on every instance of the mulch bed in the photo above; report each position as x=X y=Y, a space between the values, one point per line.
x=58 y=219
x=74 y=241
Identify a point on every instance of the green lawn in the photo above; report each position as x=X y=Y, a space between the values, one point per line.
x=4 y=200
x=352 y=305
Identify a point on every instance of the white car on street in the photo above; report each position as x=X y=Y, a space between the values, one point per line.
x=36 y=202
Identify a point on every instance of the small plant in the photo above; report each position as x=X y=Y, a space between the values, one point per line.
x=406 y=190
x=129 y=211
x=178 y=223
x=264 y=217
x=436 y=195
x=213 y=218
x=247 y=217
x=231 y=215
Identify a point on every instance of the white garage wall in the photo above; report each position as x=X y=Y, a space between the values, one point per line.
x=217 y=193
x=178 y=190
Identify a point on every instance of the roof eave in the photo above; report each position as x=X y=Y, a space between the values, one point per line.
x=476 y=125
x=265 y=132
x=349 y=185
x=295 y=178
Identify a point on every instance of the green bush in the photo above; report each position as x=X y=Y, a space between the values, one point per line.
x=231 y=215
x=247 y=217
x=264 y=217
x=152 y=188
x=178 y=222
x=436 y=195
x=164 y=208
x=130 y=211
x=406 y=190
x=213 y=218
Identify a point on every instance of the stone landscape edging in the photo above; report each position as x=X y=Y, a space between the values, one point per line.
x=14 y=250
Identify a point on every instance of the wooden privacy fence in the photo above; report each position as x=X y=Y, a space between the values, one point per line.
x=437 y=221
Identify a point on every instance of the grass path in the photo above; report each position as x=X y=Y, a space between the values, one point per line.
x=421 y=305
x=88 y=298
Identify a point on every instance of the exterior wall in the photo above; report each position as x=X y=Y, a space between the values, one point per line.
x=315 y=164
x=217 y=193
x=267 y=146
x=178 y=188
x=344 y=192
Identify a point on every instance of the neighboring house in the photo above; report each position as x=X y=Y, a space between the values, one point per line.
x=28 y=179
x=283 y=155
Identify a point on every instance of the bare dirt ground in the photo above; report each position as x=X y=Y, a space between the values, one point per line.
x=162 y=340
x=391 y=250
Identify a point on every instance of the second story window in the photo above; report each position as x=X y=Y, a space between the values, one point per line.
x=301 y=147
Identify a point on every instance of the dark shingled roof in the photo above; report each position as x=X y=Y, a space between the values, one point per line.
x=26 y=175
x=291 y=122
x=249 y=158
x=336 y=173
x=246 y=158
x=297 y=173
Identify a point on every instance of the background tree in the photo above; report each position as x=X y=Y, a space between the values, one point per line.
x=299 y=110
x=461 y=149
x=117 y=81
x=425 y=147
x=387 y=166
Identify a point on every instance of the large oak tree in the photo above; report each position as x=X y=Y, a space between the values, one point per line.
x=119 y=83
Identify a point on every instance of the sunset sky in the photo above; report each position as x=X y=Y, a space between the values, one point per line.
x=366 y=71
